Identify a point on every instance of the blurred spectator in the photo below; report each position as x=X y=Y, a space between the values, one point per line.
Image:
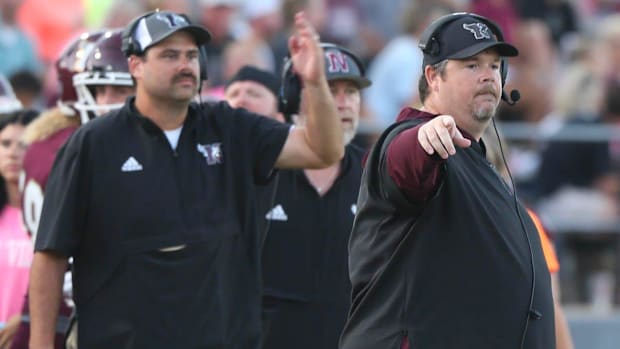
x=396 y=69
x=611 y=115
x=240 y=53
x=28 y=88
x=96 y=12
x=265 y=21
x=236 y=55
x=51 y=24
x=378 y=23
x=574 y=177
x=217 y=16
x=343 y=21
x=16 y=49
x=558 y=15
x=179 y=6
x=122 y=12
x=500 y=11
x=315 y=11
x=532 y=72
x=608 y=6
x=608 y=34
x=15 y=244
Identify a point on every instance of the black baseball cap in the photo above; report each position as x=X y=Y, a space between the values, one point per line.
x=157 y=26
x=263 y=77
x=466 y=37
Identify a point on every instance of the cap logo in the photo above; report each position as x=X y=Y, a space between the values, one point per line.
x=480 y=30
x=337 y=62
x=172 y=20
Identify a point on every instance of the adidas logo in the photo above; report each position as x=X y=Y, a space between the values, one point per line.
x=277 y=214
x=131 y=165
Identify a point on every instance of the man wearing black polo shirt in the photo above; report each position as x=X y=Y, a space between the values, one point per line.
x=306 y=284
x=257 y=91
x=442 y=255
x=156 y=201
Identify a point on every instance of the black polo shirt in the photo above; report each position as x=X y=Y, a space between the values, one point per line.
x=305 y=259
x=466 y=270
x=118 y=194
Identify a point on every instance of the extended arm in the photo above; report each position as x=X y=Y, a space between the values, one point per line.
x=320 y=143
x=46 y=277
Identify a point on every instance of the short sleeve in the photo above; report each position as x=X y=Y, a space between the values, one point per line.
x=66 y=199
x=266 y=140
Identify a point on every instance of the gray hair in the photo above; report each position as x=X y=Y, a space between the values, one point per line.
x=423 y=84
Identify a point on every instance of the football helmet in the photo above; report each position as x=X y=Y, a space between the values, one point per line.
x=71 y=61
x=105 y=65
x=8 y=101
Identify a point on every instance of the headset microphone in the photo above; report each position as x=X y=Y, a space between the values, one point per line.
x=515 y=96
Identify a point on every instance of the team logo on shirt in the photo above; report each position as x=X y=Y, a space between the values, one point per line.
x=212 y=152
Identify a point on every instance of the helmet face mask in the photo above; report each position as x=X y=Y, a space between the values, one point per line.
x=72 y=61
x=105 y=65
x=8 y=101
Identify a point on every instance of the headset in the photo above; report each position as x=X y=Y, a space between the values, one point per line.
x=130 y=47
x=430 y=45
x=289 y=96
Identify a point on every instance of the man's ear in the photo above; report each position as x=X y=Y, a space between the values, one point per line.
x=135 y=64
x=432 y=77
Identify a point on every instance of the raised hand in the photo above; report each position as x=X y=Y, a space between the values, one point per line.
x=440 y=135
x=305 y=51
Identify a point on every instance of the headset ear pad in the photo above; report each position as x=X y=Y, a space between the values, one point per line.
x=127 y=44
x=290 y=91
x=503 y=70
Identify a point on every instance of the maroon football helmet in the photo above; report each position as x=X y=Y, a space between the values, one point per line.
x=71 y=61
x=8 y=102
x=105 y=65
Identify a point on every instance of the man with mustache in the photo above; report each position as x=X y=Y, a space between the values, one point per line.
x=306 y=283
x=156 y=202
x=442 y=254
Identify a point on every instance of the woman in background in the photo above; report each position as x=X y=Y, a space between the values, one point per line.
x=15 y=245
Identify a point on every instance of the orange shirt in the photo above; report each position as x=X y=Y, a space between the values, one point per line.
x=51 y=24
x=547 y=246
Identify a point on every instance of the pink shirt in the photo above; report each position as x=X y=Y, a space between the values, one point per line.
x=16 y=253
